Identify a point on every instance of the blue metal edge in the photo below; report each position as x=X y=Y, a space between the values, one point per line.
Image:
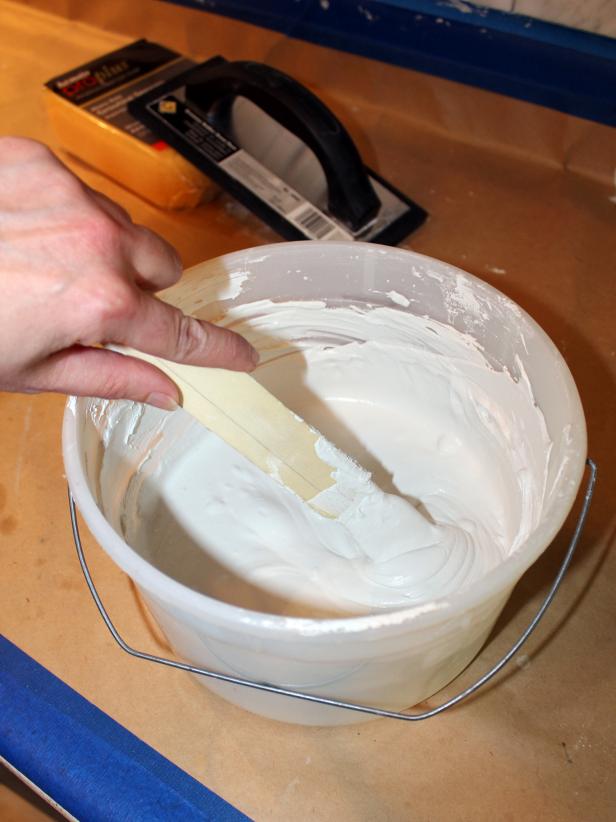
x=85 y=761
x=565 y=69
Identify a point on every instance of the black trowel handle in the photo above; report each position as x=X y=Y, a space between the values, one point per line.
x=351 y=197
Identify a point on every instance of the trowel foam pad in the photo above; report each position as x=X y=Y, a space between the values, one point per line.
x=87 y=107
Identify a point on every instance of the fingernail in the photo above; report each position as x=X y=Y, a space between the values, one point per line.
x=163 y=401
x=255 y=356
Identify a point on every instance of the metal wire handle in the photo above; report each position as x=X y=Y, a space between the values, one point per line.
x=337 y=703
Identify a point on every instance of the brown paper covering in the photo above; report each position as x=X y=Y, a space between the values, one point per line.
x=519 y=196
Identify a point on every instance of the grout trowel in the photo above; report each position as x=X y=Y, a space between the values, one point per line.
x=273 y=145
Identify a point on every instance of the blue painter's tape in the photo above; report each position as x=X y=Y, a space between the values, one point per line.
x=558 y=67
x=89 y=764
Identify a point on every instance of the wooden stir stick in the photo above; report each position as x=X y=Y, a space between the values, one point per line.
x=246 y=416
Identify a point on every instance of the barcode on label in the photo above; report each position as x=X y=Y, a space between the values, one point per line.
x=282 y=197
x=313 y=222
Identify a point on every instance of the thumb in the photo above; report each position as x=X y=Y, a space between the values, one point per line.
x=97 y=372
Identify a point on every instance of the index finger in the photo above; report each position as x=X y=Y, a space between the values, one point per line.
x=164 y=331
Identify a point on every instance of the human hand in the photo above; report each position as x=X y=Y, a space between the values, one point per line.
x=76 y=272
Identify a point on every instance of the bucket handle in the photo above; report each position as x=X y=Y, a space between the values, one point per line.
x=337 y=703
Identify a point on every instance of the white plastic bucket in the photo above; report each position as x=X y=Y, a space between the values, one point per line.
x=393 y=659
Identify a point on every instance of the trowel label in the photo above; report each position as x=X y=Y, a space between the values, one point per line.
x=105 y=86
x=195 y=131
x=110 y=71
x=281 y=197
x=113 y=108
